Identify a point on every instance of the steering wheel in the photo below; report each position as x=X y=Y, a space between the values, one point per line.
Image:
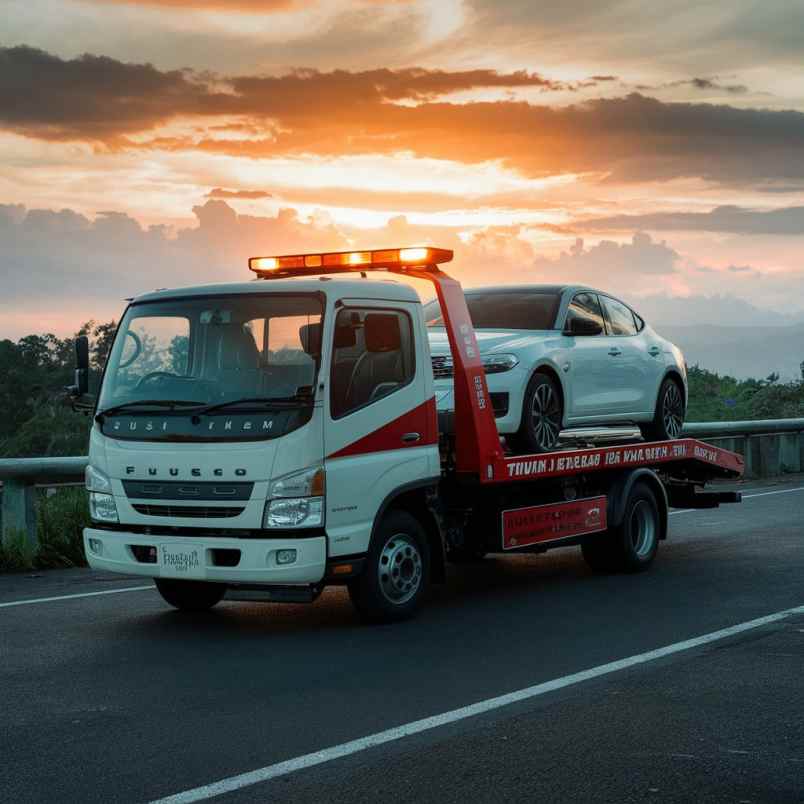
x=137 y=349
x=154 y=375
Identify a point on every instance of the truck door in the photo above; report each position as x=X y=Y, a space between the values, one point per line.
x=380 y=427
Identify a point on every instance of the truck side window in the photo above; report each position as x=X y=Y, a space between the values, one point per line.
x=372 y=357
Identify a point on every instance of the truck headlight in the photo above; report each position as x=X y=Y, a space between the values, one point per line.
x=102 y=507
x=97 y=481
x=294 y=512
x=296 y=500
x=495 y=364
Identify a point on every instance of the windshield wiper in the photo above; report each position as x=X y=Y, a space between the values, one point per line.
x=282 y=402
x=137 y=403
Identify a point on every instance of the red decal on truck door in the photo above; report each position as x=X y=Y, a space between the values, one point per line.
x=421 y=421
x=546 y=523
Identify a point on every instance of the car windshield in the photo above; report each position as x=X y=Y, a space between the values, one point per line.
x=513 y=309
x=210 y=350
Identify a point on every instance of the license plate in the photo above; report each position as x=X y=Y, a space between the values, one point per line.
x=182 y=561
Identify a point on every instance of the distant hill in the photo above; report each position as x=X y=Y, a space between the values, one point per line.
x=742 y=352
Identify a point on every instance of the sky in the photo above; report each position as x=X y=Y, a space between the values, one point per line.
x=653 y=150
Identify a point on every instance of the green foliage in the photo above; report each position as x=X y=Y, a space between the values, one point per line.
x=37 y=417
x=61 y=517
x=14 y=552
x=716 y=398
x=60 y=520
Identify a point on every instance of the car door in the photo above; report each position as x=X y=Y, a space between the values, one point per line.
x=632 y=367
x=591 y=391
x=381 y=432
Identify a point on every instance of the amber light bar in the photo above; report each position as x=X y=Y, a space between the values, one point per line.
x=342 y=261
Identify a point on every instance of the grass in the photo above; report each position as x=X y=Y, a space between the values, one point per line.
x=61 y=518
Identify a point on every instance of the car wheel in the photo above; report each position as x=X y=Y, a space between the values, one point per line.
x=190 y=595
x=668 y=418
x=542 y=416
x=396 y=571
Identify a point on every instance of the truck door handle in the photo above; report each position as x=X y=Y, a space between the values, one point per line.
x=654 y=351
x=411 y=438
x=614 y=351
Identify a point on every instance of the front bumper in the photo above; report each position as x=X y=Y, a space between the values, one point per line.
x=511 y=383
x=256 y=563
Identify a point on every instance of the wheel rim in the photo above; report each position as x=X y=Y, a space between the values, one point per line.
x=673 y=411
x=546 y=416
x=400 y=569
x=643 y=528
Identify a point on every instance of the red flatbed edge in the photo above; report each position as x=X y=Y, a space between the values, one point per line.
x=685 y=456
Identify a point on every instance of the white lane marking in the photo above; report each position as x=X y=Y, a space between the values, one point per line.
x=72 y=597
x=768 y=493
x=278 y=769
x=748 y=496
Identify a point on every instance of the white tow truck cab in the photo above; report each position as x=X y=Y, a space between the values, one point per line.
x=262 y=440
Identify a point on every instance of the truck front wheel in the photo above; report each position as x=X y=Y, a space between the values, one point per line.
x=630 y=546
x=396 y=571
x=190 y=595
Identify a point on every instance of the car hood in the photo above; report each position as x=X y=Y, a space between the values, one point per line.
x=490 y=341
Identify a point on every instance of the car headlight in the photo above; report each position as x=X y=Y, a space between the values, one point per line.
x=494 y=364
x=97 y=481
x=102 y=507
x=296 y=500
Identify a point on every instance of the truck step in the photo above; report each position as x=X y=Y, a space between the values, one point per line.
x=273 y=594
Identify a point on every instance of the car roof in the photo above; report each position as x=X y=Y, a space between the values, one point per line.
x=557 y=289
x=388 y=289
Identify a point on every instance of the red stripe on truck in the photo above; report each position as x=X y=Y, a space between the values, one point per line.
x=422 y=420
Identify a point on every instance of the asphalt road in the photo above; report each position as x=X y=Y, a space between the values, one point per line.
x=115 y=697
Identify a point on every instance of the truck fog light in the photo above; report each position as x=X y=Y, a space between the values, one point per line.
x=285 y=556
x=102 y=507
x=96 y=547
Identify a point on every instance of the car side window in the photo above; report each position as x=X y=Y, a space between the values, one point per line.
x=372 y=357
x=619 y=318
x=640 y=323
x=587 y=306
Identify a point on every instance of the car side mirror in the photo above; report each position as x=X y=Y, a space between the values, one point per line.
x=81 y=386
x=583 y=327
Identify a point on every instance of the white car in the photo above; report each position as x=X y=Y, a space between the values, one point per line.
x=561 y=357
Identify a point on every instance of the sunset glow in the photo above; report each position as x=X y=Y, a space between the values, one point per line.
x=540 y=145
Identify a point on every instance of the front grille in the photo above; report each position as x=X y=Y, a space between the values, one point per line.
x=200 y=511
x=442 y=366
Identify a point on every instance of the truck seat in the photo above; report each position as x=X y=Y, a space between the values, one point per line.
x=379 y=370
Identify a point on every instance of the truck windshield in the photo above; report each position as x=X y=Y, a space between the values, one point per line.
x=210 y=350
x=514 y=309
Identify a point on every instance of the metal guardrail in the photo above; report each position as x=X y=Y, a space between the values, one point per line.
x=736 y=429
x=770 y=447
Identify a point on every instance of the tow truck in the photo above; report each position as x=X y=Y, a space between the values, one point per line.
x=228 y=467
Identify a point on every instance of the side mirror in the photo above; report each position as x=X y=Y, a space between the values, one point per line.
x=81 y=386
x=583 y=327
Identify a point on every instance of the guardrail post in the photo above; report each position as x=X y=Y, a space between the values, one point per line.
x=790 y=452
x=19 y=513
x=770 y=455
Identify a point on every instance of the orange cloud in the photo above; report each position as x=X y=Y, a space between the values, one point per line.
x=248 y=6
x=248 y=195
x=101 y=100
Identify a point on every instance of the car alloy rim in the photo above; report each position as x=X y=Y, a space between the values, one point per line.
x=643 y=528
x=673 y=411
x=546 y=416
x=400 y=569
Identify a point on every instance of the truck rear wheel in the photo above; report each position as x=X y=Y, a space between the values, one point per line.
x=190 y=595
x=396 y=571
x=631 y=546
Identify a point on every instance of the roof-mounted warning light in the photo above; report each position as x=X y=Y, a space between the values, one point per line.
x=394 y=259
